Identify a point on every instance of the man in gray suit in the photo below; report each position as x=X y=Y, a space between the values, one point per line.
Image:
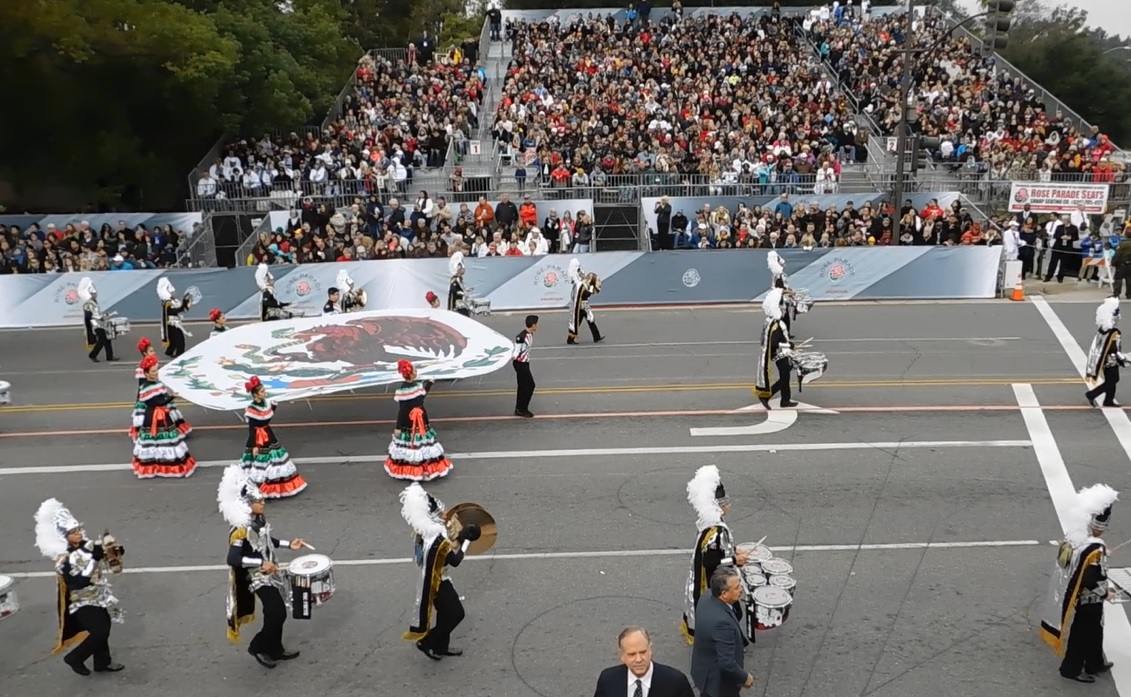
x=718 y=654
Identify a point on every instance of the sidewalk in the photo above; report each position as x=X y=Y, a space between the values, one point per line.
x=1069 y=291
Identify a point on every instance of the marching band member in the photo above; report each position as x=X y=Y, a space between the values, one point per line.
x=1072 y=619
x=714 y=547
x=172 y=331
x=433 y=300
x=333 y=296
x=776 y=350
x=265 y=461
x=86 y=605
x=219 y=322
x=457 y=293
x=351 y=299
x=583 y=289
x=160 y=449
x=94 y=321
x=1105 y=357
x=269 y=306
x=434 y=551
x=777 y=273
x=521 y=362
x=254 y=569
x=414 y=452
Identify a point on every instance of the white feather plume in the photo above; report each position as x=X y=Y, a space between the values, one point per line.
x=262 y=273
x=1089 y=502
x=233 y=507
x=48 y=539
x=701 y=495
x=1105 y=313
x=415 y=511
x=455 y=263
x=344 y=281
x=775 y=263
x=165 y=289
x=772 y=304
x=574 y=270
x=85 y=288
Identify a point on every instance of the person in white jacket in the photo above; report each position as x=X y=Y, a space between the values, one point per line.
x=535 y=244
x=1011 y=241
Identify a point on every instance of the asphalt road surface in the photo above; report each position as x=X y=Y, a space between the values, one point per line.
x=916 y=493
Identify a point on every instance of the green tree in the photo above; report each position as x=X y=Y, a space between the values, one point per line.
x=112 y=110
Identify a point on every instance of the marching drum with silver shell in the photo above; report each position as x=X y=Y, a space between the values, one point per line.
x=753 y=578
x=777 y=567
x=312 y=583
x=755 y=553
x=5 y=392
x=771 y=607
x=810 y=366
x=9 y=603
x=786 y=583
x=117 y=326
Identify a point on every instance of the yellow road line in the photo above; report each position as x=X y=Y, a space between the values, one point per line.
x=621 y=389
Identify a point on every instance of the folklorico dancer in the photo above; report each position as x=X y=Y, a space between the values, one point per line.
x=160 y=449
x=269 y=306
x=219 y=322
x=521 y=362
x=254 y=569
x=86 y=605
x=1072 y=617
x=94 y=321
x=432 y=299
x=333 y=297
x=265 y=461
x=714 y=547
x=434 y=551
x=775 y=351
x=146 y=349
x=585 y=286
x=414 y=452
x=172 y=331
x=457 y=292
x=1106 y=356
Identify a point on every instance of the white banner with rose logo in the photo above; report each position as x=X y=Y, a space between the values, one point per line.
x=306 y=357
x=1052 y=197
x=545 y=283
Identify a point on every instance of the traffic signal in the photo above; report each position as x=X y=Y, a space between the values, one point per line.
x=997 y=24
x=922 y=151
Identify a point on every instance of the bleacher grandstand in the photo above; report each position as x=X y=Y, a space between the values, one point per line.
x=584 y=104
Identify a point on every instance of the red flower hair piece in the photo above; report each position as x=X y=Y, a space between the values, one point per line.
x=405 y=368
x=253 y=384
x=144 y=344
x=215 y=314
x=148 y=362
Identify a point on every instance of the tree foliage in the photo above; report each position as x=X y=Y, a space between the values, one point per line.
x=1081 y=66
x=111 y=102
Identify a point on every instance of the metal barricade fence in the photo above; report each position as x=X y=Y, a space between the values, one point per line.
x=199 y=251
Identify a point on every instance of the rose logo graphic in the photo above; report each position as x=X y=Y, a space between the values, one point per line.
x=836 y=272
x=69 y=294
x=1022 y=195
x=302 y=288
x=550 y=279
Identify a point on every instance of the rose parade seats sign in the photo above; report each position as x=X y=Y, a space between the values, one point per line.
x=310 y=356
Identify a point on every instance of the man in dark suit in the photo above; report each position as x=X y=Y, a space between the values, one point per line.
x=717 y=656
x=639 y=676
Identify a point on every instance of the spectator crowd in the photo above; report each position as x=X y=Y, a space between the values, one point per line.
x=401 y=117
x=429 y=227
x=79 y=247
x=989 y=123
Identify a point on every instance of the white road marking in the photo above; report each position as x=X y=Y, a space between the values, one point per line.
x=778 y=420
x=580 y=452
x=994 y=544
x=1117 y=628
x=1057 y=480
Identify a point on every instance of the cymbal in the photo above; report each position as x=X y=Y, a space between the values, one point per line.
x=472 y=513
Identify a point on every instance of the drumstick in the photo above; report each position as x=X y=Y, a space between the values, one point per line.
x=309 y=546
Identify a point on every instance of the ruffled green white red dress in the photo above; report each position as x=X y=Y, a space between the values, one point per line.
x=138 y=416
x=415 y=454
x=272 y=469
x=159 y=448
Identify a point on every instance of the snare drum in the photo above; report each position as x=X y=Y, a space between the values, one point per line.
x=479 y=306
x=312 y=583
x=777 y=567
x=117 y=326
x=753 y=578
x=5 y=392
x=786 y=583
x=771 y=607
x=810 y=366
x=9 y=603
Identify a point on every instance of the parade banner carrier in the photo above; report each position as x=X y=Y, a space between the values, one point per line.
x=1044 y=197
x=304 y=357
